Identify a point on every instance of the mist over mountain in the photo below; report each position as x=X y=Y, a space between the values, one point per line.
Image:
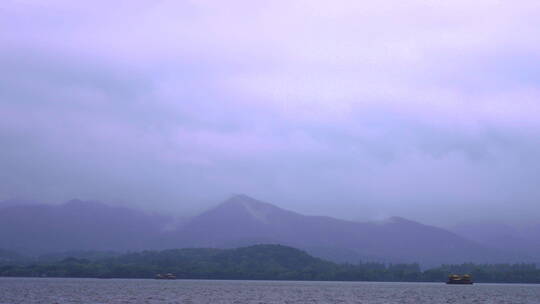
x=17 y=202
x=356 y=110
x=502 y=236
x=78 y=225
x=239 y=221
x=242 y=220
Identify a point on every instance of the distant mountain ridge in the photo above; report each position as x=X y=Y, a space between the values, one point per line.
x=242 y=220
x=239 y=221
x=77 y=225
x=503 y=237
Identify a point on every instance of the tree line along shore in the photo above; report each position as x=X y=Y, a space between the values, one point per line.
x=258 y=262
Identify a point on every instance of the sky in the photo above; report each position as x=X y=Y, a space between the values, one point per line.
x=360 y=110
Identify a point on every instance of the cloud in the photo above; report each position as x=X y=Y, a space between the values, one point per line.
x=347 y=108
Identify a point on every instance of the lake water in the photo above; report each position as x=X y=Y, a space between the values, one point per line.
x=49 y=290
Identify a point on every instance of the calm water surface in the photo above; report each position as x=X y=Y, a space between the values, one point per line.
x=48 y=290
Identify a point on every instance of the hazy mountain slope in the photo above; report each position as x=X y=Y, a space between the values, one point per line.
x=512 y=240
x=77 y=225
x=17 y=202
x=8 y=256
x=239 y=221
x=243 y=220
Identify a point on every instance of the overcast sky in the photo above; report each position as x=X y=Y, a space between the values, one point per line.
x=428 y=110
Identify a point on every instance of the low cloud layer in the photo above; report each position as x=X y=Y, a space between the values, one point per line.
x=421 y=109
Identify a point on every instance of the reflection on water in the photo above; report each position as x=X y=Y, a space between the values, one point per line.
x=48 y=290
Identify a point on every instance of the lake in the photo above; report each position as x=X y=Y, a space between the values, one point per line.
x=51 y=290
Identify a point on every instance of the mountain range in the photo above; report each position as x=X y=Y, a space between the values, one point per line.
x=239 y=221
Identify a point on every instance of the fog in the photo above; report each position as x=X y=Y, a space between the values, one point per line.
x=425 y=110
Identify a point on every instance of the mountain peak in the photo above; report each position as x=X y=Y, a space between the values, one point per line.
x=242 y=198
x=397 y=220
x=258 y=210
x=77 y=203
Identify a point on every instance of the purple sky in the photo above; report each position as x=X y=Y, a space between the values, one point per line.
x=361 y=110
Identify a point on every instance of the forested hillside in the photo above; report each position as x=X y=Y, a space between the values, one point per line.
x=259 y=262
